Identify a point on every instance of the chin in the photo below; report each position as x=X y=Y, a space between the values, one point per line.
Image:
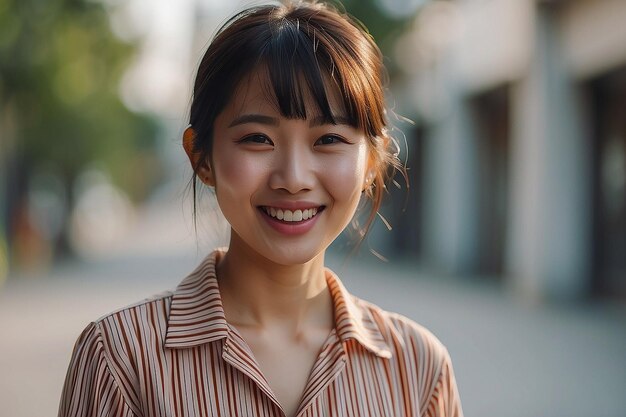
x=293 y=256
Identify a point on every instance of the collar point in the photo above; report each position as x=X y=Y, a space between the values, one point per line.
x=384 y=353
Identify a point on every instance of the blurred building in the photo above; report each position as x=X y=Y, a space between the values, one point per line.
x=519 y=152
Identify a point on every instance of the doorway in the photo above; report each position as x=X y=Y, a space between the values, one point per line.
x=490 y=113
x=609 y=183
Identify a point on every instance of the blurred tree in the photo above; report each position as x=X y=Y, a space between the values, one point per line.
x=383 y=27
x=60 y=67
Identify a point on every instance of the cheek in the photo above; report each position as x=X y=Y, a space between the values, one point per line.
x=234 y=169
x=236 y=175
x=231 y=172
x=344 y=176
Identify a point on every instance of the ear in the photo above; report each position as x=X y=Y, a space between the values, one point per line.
x=369 y=179
x=370 y=172
x=202 y=168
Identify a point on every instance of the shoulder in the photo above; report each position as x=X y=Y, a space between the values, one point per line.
x=405 y=337
x=124 y=317
x=115 y=336
x=127 y=326
x=111 y=343
x=155 y=302
x=399 y=326
x=385 y=330
x=420 y=356
x=103 y=366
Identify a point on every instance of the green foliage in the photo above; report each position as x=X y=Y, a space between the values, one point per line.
x=60 y=68
x=382 y=27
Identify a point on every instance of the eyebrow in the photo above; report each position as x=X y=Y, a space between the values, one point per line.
x=273 y=121
x=254 y=118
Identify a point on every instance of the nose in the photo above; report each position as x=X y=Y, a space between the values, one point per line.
x=292 y=170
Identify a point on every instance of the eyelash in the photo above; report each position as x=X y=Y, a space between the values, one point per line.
x=337 y=139
x=250 y=139
x=265 y=140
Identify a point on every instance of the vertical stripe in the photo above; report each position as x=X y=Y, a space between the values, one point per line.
x=175 y=355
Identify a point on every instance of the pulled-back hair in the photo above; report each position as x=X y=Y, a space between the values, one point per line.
x=303 y=46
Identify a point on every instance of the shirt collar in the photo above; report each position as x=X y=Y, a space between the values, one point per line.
x=196 y=313
x=197 y=316
x=354 y=321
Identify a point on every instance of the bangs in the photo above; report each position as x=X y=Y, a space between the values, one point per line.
x=297 y=75
x=309 y=63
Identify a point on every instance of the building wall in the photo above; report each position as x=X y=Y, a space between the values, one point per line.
x=542 y=53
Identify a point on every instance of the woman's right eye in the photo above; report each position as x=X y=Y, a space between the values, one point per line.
x=256 y=138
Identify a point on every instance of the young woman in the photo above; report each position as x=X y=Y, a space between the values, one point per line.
x=288 y=129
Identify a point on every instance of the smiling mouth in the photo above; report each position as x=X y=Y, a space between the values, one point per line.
x=288 y=216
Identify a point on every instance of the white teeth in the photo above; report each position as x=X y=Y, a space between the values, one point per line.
x=291 y=216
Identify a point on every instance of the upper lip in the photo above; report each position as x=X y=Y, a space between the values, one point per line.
x=292 y=205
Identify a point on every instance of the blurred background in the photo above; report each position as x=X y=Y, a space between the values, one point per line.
x=510 y=243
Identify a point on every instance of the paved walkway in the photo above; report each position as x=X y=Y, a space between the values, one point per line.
x=512 y=359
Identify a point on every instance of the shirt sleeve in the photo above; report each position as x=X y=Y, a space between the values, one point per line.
x=90 y=389
x=444 y=399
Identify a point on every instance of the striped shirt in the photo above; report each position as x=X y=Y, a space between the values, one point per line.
x=176 y=355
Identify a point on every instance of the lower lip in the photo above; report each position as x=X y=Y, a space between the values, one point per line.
x=291 y=228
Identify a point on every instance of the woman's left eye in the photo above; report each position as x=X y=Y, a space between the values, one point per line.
x=329 y=140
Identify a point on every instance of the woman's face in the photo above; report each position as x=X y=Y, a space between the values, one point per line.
x=288 y=187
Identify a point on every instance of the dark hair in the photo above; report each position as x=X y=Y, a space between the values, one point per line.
x=296 y=43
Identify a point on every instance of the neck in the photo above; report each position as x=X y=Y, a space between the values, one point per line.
x=257 y=293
